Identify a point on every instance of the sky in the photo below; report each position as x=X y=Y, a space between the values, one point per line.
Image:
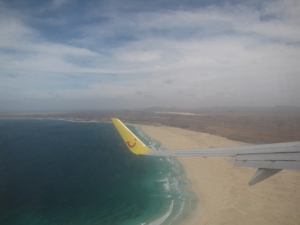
x=115 y=54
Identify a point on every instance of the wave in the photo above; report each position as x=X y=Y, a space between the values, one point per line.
x=163 y=218
x=172 y=187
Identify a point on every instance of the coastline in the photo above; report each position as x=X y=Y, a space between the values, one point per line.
x=222 y=189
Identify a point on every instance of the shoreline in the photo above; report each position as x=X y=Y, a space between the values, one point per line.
x=222 y=189
x=175 y=182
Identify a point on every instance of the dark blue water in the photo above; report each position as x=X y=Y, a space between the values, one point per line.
x=67 y=173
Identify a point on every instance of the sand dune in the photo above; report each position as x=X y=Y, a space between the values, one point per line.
x=223 y=191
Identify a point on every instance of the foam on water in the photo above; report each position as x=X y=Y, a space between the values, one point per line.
x=173 y=183
x=59 y=172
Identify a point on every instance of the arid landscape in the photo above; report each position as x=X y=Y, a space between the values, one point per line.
x=252 y=125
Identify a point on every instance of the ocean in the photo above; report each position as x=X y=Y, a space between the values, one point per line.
x=55 y=172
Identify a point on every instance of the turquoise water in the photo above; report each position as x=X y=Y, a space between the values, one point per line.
x=68 y=173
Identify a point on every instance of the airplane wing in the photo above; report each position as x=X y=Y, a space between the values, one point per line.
x=268 y=158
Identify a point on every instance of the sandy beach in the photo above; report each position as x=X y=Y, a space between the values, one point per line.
x=223 y=191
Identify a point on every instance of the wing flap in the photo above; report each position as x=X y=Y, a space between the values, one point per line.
x=288 y=165
x=262 y=174
x=294 y=156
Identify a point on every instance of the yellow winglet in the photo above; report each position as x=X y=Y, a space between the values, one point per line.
x=134 y=144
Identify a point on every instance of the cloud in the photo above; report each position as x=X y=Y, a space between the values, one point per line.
x=168 y=81
x=231 y=54
x=59 y=3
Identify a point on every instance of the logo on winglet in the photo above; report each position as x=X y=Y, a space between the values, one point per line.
x=129 y=145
